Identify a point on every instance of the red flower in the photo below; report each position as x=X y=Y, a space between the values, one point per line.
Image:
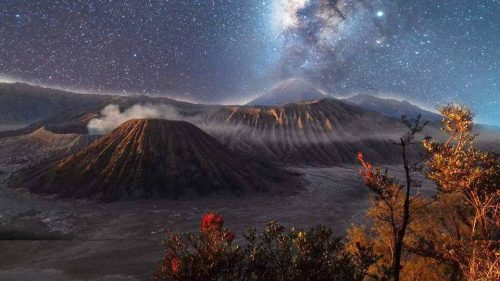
x=175 y=263
x=229 y=236
x=211 y=221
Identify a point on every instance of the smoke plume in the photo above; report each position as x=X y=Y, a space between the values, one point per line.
x=111 y=116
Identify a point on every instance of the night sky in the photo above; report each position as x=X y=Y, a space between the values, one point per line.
x=429 y=52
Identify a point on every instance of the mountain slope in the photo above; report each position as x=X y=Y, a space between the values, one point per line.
x=288 y=91
x=39 y=146
x=146 y=158
x=324 y=132
x=391 y=107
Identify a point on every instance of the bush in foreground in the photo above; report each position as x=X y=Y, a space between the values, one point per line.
x=273 y=254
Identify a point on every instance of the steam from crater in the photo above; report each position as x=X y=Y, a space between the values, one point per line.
x=112 y=117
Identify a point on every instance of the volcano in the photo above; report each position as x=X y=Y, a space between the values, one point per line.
x=289 y=91
x=150 y=158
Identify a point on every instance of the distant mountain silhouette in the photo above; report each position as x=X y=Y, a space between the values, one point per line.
x=24 y=104
x=391 y=107
x=66 y=112
x=150 y=158
x=289 y=91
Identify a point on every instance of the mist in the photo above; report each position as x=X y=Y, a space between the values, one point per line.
x=226 y=131
x=111 y=116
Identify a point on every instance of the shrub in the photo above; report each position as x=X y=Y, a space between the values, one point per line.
x=274 y=254
x=208 y=255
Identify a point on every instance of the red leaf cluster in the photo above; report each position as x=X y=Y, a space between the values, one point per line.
x=211 y=221
x=175 y=264
x=366 y=170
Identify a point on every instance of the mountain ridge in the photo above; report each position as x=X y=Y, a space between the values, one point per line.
x=391 y=107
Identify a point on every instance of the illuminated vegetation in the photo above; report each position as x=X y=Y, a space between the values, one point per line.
x=467 y=203
x=453 y=236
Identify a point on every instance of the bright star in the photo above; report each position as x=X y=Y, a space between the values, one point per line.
x=18 y=15
x=380 y=14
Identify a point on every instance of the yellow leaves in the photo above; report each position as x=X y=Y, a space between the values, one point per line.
x=467 y=209
x=460 y=170
x=457 y=118
x=456 y=165
x=428 y=144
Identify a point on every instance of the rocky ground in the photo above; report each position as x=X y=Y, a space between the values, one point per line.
x=80 y=240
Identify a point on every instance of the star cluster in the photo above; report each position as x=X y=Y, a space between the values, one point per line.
x=430 y=52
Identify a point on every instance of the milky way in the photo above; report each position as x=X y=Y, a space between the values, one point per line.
x=430 y=52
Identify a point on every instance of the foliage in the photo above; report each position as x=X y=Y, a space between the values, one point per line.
x=468 y=199
x=392 y=205
x=207 y=255
x=453 y=236
x=274 y=254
